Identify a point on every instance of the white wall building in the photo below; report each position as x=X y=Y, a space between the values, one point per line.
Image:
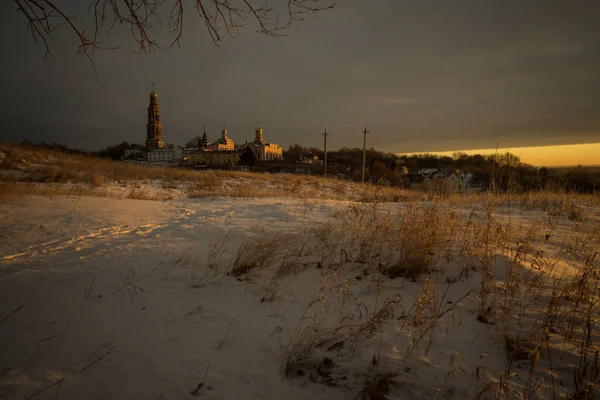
x=170 y=155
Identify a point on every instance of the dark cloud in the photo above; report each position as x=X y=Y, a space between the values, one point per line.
x=427 y=76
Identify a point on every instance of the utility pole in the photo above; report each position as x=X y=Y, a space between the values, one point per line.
x=325 y=134
x=364 y=152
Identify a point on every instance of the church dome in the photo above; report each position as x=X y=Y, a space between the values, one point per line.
x=258 y=134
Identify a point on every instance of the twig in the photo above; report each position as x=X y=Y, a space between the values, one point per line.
x=88 y=290
x=129 y=283
x=226 y=333
x=201 y=384
x=277 y=330
x=12 y=313
x=58 y=382
x=100 y=348
x=49 y=338
x=194 y=311
x=156 y=268
x=43 y=17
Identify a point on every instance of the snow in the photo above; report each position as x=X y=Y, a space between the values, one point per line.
x=51 y=249
x=106 y=285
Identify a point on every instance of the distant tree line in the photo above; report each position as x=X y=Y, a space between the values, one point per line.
x=114 y=152
x=501 y=171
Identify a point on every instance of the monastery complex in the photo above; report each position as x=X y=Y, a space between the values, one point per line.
x=199 y=151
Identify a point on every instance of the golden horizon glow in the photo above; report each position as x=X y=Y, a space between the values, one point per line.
x=540 y=156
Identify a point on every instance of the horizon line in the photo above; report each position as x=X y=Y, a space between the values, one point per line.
x=565 y=155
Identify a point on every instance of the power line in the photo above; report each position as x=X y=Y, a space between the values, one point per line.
x=325 y=134
x=365 y=131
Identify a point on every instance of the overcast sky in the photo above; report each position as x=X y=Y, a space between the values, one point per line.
x=426 y=76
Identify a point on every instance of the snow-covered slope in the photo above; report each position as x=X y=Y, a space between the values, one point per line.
x=135 y=299
x=55 y=251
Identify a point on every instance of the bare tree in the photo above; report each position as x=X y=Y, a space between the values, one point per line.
x=141 y=17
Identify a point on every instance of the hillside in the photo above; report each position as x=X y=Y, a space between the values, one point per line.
x=27 y=170
x=289 y=288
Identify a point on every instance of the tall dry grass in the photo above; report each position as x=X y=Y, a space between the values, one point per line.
x=31 y=170
x=538 y=296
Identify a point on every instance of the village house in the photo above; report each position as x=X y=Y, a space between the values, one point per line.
x=310 y=159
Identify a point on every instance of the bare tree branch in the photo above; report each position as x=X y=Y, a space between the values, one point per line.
x=176 y=21
x=142 y=16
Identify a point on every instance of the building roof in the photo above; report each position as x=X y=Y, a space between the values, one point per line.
x=217 y=152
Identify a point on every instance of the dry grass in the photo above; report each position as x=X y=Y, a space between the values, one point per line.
x=402 y=270
x=258 y=251
x=545 y=316
x=558 y=203
x=26 y=170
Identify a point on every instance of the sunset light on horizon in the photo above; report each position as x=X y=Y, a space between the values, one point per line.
x=540 y=156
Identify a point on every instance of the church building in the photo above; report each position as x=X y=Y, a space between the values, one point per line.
x=224 y=143
x=264 y=151
x=204 y=142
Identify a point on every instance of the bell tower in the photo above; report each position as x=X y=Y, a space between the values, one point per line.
x=153 y=127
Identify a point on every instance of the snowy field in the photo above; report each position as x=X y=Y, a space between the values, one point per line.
x=281 y=298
